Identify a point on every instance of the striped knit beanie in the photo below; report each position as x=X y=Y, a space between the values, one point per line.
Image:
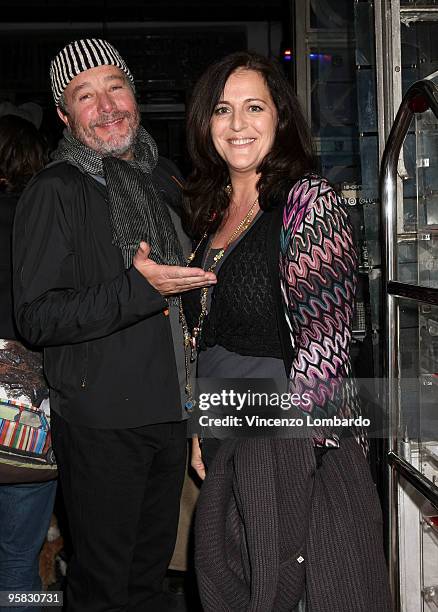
x=81 y=55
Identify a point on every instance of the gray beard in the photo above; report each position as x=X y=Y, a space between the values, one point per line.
x=88 y=137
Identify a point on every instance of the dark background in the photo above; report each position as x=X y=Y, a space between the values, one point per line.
x=166 y=44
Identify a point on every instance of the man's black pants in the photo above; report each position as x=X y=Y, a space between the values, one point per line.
x=121 y=490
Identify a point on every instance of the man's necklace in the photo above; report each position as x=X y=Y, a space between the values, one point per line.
x=192 y=339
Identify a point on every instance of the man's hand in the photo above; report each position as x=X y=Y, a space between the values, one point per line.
x=170 y=280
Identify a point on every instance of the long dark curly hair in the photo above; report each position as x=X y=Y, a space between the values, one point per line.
x=291 y=156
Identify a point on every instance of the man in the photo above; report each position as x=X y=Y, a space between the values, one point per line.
x=88 y=294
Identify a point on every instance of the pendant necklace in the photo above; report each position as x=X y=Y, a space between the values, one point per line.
x=191 y=339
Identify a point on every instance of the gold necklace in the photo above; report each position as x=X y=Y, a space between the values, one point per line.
x=191 y=340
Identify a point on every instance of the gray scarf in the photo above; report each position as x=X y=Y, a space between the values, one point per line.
x=137 y=211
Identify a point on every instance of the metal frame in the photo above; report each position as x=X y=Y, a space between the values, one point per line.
x=427 y=295
x=302 y=76
x=388 y=65
x=389 y=87
x=305 y=37
x=412 y=14
x=416 y=478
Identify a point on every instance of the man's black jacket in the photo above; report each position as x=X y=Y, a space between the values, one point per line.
x=108 y=350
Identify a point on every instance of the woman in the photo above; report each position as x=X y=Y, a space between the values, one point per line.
x=276 y=517
x=25 y=509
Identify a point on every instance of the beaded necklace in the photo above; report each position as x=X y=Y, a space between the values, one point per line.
x=191 y=339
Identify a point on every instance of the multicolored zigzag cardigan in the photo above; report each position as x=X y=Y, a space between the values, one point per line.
x=318 y=278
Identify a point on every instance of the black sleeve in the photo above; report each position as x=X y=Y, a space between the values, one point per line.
x=51 y=307
x=169 y=182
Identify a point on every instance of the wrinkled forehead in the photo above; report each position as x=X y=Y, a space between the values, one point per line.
x=94 y=78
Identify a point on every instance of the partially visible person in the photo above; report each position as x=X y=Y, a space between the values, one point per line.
x=87 y=291
x=25 y=508
x=278 y=518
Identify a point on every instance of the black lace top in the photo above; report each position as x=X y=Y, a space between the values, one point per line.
x=241 y=317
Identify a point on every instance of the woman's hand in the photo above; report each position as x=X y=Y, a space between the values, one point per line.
x=196 y=459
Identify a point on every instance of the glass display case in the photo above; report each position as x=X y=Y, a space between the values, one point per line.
x=418 y=549
x=354 y=63
x=410 y=226
x=335 y=78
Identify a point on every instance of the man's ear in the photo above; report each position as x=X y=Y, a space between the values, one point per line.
x=62 y=116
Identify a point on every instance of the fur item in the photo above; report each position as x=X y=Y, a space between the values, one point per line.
x=49 y=556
